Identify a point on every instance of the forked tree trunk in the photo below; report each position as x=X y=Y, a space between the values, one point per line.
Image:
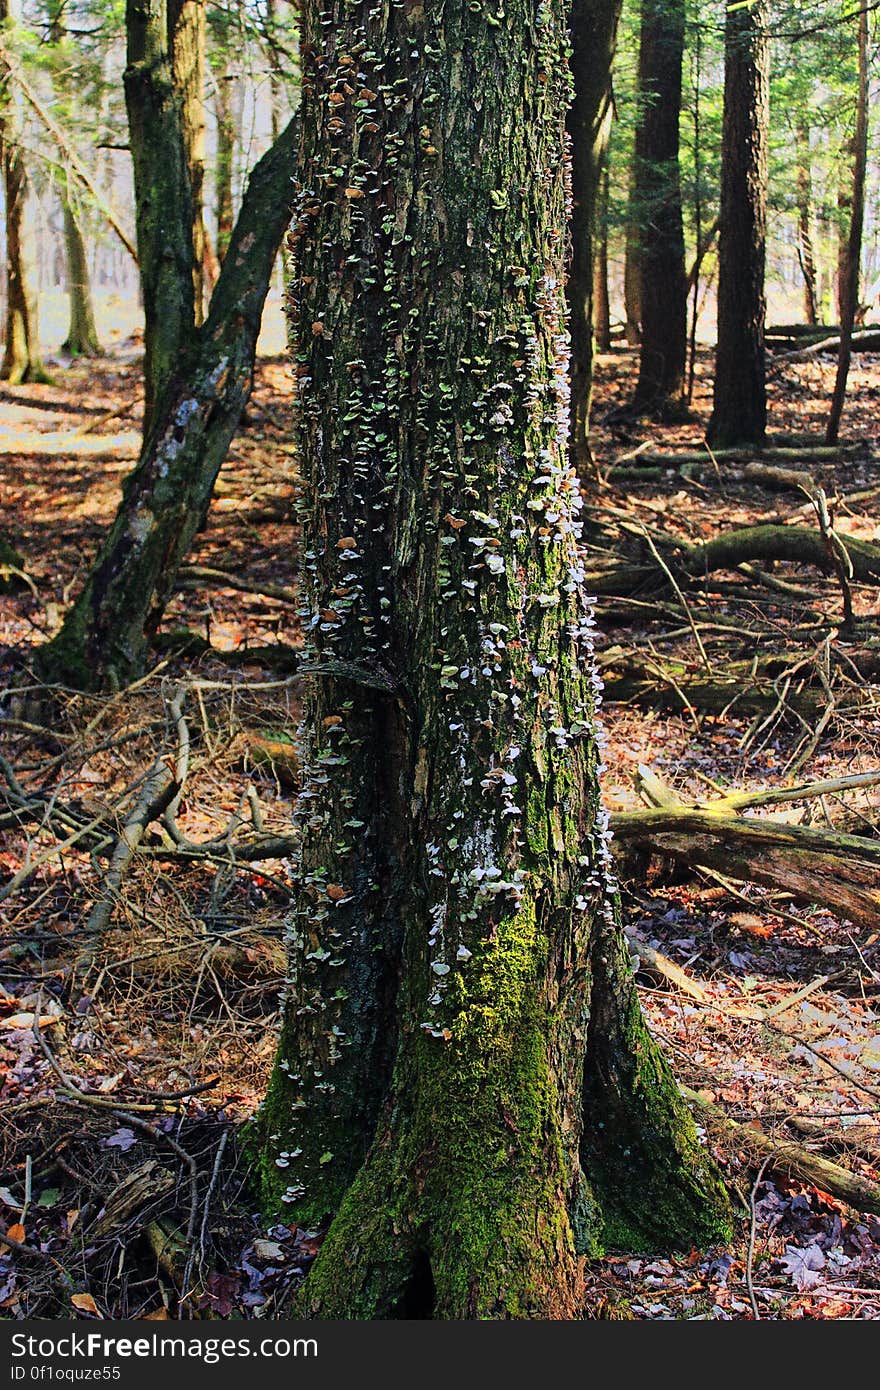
x=82 y=333
x=105 y=636
x=593 y=37
x=739 y=414
x=454 y=953
x=660 y=388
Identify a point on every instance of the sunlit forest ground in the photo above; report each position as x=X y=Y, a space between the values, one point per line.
x=143 y=1087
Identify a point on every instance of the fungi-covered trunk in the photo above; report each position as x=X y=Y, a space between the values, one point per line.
x=456 y=914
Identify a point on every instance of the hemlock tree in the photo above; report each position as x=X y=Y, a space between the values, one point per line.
x=197 y=379
x=657 y=201
x=593 y=37
x=739 y=413
x=464 y=1077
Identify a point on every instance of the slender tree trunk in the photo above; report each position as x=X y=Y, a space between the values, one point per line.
x=21 y=352
x=739 y=414
x=225 y=159
x=163 y=199
x=105 y=636
x=82 y=333
x=186 y=47
x=453 y=934
x=660 y=388
x=850 y=270
x=593 y=37
x=632 y=275
x=806 y=253
x=601 y=295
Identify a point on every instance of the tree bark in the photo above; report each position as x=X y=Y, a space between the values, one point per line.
x=593 y=38
x=851 y=262
x=105 y=636
x=660 y=388
x=82 y=332
x=225 y=160
x=454 y=951
x=739 y=414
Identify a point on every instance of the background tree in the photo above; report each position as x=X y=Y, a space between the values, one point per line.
x=593 y=39
x=21 y=350
x=455 y=954
x=739 y=413
x=657 y=202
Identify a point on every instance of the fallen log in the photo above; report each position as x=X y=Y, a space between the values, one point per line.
x=767 y=542
x=791 y=1158
x=838 y=871
x=866 y=340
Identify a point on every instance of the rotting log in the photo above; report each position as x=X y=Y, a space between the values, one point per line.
x=791 y=1158
x=837 y=871
x=747 y=687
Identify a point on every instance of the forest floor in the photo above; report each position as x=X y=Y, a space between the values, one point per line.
x=133 y=1051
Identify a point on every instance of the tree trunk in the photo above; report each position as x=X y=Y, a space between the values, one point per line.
x=225 y=160
x=21 y=354
x=632 y=276
x=806 y=253
x=82 y=334
x=163 y=199
x=601 y=295
x=454 y=952
x=851 y=266
x=593 y=38
x=660 y=388
x=186 y=47
x=739 y=414
x=106 y=633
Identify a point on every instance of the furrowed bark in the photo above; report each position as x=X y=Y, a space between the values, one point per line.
x=454 y=867
x=106 y=634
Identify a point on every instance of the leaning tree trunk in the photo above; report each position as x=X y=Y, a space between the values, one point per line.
x=82 y=333
x=593 y=38
x=225 y=159
x=105 y=636
x=661 y=383
x=739 y=413
x=21 y=353
x=851 y=264
x=455 y=952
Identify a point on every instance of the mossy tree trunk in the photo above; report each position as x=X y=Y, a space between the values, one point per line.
x=82 y=332
x=105 y=636
x=657 y=201
x=593 y=41
x=739 y=413
x=455 y=953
